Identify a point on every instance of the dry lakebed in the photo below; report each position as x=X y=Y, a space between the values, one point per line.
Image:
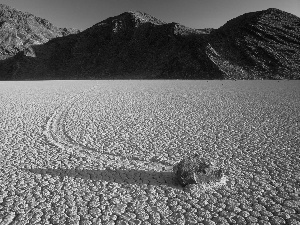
x=102 y=152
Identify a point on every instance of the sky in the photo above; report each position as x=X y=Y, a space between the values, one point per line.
x=83 y=14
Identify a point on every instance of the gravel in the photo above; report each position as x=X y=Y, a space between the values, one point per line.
x=101 y=152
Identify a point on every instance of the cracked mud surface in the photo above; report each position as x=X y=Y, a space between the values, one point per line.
x=101 y=152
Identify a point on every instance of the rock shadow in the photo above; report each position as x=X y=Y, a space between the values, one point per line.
x=124 y=176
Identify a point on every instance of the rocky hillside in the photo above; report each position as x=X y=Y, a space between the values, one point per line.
x=19 y=31
x=135 y=45
x=263 y=44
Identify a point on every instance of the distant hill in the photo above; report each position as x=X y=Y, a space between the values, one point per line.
x=263 y=44
x=136 y=45
x=18 y=31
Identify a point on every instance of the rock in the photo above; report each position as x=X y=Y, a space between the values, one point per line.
x=197 y=170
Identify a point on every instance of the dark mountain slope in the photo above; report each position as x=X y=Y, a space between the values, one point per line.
x=263 y=44
x=131 y=45
x=135 y=45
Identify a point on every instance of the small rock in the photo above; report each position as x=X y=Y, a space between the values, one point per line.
x=196 y=170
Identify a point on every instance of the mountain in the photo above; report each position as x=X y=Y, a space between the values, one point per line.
x=136 y=45
x=18 y=31
x=263 y=44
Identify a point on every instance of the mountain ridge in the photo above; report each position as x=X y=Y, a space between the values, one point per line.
x=136 y=45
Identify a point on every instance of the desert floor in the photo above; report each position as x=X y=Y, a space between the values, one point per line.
x=101 y=152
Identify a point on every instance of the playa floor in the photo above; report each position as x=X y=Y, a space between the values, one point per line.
x=102 y=152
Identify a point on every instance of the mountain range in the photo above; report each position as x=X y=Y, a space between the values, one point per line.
x=136 y=45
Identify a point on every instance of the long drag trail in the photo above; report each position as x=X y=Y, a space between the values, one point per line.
x=57 y=134
x=101 y=152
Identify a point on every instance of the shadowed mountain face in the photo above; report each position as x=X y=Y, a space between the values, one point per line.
x=135 y=45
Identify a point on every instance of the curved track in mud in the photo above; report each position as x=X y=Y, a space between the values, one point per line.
x=55 y=131
x=57 y=134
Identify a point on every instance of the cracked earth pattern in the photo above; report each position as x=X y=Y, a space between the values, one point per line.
x=102 y=152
